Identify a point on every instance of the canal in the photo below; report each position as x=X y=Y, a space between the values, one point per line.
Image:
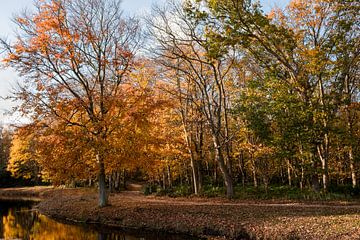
x=18 y=220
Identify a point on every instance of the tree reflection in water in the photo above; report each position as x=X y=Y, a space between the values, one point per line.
x=18 y=221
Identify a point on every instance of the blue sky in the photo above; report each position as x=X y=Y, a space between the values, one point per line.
x=9 y=78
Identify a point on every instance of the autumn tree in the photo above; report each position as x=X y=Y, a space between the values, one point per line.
x=5 y=143
x=182 y=46
x=74 y=56
x=23 y=161
x=298 y=47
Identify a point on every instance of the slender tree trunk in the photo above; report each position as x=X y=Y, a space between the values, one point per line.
x=200 y=179
x=324 y=164
x=169 y=175
x=350 y=130
x=302 y=177
x=288 y=164
x=254 y=171
x=194 y=175
x=323 y=149
x=192 y=160
x=266 y=182
x=183 y=112
x=352 y=168
x=241 y=167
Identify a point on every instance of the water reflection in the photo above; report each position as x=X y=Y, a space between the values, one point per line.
x=18 y=221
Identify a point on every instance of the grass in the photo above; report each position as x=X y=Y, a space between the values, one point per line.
x=274 y=192
x=288 y=193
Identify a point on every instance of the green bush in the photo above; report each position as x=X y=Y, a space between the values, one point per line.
x=149 y=189
x=213 y=191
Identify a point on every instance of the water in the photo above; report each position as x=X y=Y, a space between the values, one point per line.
x=19 y=221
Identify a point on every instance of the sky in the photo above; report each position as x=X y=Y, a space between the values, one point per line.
x=9 y=78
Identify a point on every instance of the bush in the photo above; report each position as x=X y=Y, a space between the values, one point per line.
x=149 y=189
x=348 y=190
x=181 y=191
x=213 y=191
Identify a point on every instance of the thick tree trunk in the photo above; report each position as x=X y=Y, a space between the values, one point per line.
x=224 y=169
x=103 y=198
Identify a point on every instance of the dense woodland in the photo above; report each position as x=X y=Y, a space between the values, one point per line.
x=198 y=94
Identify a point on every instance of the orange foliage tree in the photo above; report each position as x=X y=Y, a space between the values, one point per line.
x=75 y=56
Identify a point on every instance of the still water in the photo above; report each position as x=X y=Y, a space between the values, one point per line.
x=19 y=221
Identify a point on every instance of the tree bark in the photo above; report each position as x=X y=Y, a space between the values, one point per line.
x=225 y=171
x=103 y=198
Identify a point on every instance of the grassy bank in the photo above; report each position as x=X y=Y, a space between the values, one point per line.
x=276 y=193
x=215 y=217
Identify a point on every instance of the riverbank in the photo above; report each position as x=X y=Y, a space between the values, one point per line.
x=202 y=217
x=32 y=193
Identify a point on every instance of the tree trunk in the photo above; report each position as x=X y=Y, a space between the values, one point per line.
x=323 y=155
x=289 y=171
x=169 y=175
x=315 y=183
x=164 y=179
x=117 y=180
x=241 y=167
x=223 y=168
x=110 y=183
x=302 y=177
x=350 y=130
x=352 y=168
x=103 y=198
x=124 y=178
x=266 y=182
x=194 y=175
x=254 y=172
x=323 y=149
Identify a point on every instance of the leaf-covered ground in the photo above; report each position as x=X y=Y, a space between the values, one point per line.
x=207 y=217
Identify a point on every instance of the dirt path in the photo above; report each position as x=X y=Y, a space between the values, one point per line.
x=207 y=217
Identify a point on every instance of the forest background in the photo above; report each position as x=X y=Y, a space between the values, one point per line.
x=224 y=97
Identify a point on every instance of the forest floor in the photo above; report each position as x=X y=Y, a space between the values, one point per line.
x=211 y=218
